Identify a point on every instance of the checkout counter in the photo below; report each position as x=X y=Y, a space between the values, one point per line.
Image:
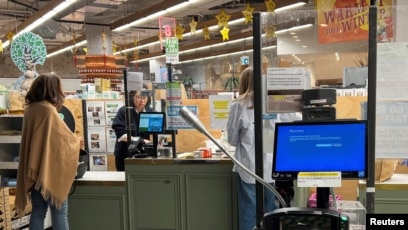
x=197 y=194
x=180 y=194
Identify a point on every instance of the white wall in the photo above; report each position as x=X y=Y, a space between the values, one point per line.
x=67 y=84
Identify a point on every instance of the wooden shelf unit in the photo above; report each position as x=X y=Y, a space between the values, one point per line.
x=107 y=67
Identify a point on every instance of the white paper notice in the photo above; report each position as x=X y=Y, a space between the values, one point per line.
x=392 y=69
x=286 y=78
x=219 y=110
x=134 y=81
x=319 y=179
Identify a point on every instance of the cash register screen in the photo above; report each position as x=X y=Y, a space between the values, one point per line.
x=151 y=122
x=325 y=146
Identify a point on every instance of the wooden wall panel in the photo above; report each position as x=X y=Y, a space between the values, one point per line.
x=75 y=107
x=190 y=140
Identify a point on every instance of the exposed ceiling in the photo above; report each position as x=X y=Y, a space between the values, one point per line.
x=71 y=22
x=112 y=13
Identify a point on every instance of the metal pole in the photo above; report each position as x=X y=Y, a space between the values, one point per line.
x=128 y=108
x=257 y=67
x=371 y=104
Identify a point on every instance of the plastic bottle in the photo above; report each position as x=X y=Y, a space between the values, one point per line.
x=224 y=140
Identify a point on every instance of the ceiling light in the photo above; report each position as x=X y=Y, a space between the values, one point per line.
x=288 y=7
x=67 y=48
x=293 y=28
x=156 y=15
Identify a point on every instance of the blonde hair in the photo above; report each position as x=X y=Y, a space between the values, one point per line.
x=246 y=86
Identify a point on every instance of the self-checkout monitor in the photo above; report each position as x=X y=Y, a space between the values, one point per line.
x=152 y=122
x=321 y=146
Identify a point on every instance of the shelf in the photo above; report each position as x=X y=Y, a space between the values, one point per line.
x=100 y=75
x=8 y=165
x=10 y=139
x=11 y=114
x=21 y=222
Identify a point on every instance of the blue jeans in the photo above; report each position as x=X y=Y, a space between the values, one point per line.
x=59 y=217
x=247 y=204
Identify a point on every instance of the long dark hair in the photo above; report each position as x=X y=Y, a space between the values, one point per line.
x=46 y=87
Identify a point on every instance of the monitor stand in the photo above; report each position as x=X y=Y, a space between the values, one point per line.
x=322 y=197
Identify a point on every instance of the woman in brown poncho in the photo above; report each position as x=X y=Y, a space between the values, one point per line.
x=48 y=155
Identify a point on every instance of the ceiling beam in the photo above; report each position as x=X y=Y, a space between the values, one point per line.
x=51 y=5
x=146 y=12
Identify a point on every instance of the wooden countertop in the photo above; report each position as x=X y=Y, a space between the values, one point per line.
x=176 y=161
x=102 y=178
x=396 y=182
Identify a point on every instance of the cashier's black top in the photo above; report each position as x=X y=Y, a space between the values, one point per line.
x=119 y=126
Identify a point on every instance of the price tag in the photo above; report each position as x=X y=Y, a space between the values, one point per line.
x=319 y=179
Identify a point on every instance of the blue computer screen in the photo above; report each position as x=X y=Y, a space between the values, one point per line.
x=335 y=146
x=151 y=122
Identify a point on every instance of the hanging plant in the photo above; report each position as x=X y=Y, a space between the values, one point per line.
x=231 y=83
x=187 y=82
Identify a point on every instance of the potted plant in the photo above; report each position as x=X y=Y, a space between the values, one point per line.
x=188 y=83
x=231 y=83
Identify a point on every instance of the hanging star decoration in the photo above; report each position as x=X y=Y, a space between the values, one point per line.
x=225 y=33
x=223 y=18
x=270 y=5
x=10 y=36
x=114 y=48
x=270 y=31
x=179 y=31
x=136 y=55
x=136 y=52
x=206 y=33
x=103 y=41
x=74 y=42
x=193 y=26
x=1 y=46
x=248 y=13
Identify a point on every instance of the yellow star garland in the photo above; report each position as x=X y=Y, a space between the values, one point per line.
x=179 y=31
x=1 y=46
x=248 y=13
x=270 y=5
x=224 y=33
x=193 y=26
x=222 y=18
x=270 y=31
x=206 y=33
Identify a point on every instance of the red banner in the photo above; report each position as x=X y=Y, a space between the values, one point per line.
x=347 y=20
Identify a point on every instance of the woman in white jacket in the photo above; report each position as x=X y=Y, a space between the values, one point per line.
x=241 y=134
